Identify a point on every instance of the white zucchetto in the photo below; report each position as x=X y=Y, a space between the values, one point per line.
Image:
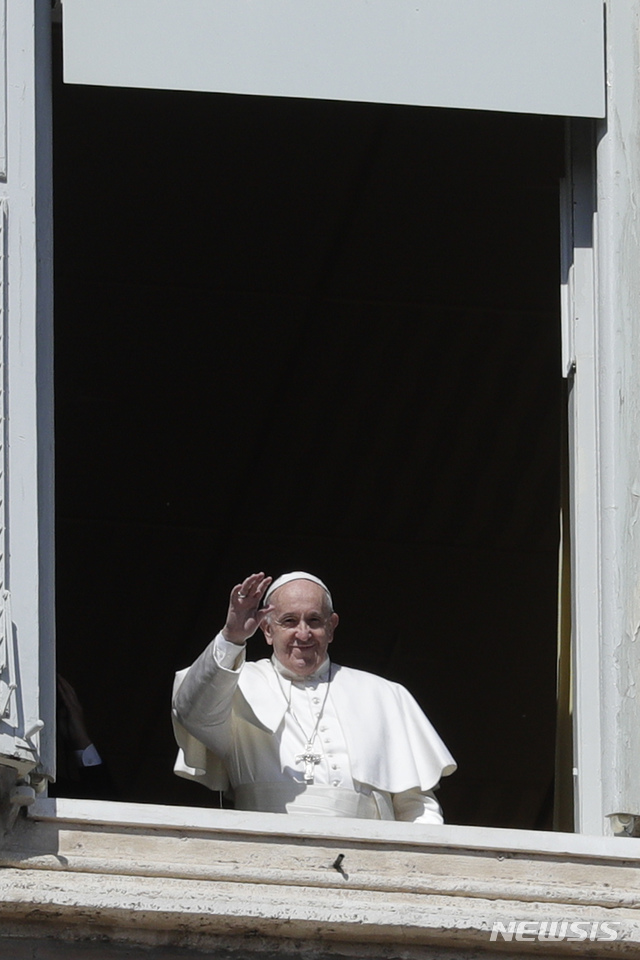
x=296 y=575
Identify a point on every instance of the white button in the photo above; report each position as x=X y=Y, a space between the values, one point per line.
x=334 y=766
x=327 y=740
x=316 y=699
x=336 y=783
x=323 y=728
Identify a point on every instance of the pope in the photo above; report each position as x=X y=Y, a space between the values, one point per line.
x=297 y=733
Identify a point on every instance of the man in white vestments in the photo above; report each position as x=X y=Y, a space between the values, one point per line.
x=298 y=733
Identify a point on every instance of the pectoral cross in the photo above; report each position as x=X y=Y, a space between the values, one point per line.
x=310 y=759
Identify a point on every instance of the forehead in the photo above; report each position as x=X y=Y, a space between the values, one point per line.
x=299 y=594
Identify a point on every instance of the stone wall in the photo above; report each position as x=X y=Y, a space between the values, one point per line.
x=158 y=881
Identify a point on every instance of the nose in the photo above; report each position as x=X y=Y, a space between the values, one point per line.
x=303 y=631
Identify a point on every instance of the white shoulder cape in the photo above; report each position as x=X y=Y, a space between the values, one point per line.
x=391 y=744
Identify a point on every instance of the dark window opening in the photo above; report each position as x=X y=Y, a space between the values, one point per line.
x=320 y=335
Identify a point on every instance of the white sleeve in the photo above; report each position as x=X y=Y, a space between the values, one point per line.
x=417 y=806
x=202 y=700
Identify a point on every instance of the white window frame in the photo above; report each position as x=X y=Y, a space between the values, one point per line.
x=602 y=311
x=522 y=56
x=615 y=437
x=580 y=365
x=27 y=673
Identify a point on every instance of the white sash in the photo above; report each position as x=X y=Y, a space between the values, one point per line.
x=315 y=798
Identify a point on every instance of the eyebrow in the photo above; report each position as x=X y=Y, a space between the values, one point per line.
x=292 y=613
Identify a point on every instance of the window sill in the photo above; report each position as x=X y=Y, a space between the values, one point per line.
x=153 y=874
x=156 y=816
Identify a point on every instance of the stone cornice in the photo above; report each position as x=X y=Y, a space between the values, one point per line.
x=205 y=873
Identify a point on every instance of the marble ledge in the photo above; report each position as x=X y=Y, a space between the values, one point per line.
x=166 y=871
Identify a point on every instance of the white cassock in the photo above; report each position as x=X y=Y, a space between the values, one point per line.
x=362 y=742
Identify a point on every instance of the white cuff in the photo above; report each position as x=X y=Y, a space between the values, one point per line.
x=414 y=806
x=226 y=653
x=89 y=757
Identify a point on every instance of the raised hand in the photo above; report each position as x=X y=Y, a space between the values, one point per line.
x=244 y=617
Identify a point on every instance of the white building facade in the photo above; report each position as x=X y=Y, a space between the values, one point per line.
x=180 y=881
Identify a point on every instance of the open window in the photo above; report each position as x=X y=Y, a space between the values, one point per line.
x=302 y=333
x=320 y=333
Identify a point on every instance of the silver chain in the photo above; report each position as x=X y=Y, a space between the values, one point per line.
x=314 y=732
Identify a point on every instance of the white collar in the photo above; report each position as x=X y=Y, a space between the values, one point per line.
x=318 y=674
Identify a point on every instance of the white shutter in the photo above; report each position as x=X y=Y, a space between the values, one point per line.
x=523 y=56
x=27 y=678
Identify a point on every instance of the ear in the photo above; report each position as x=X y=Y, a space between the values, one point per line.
x=334 y=620
x=265 y=626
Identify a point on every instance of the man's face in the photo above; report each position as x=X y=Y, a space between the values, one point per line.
x=300 y=627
